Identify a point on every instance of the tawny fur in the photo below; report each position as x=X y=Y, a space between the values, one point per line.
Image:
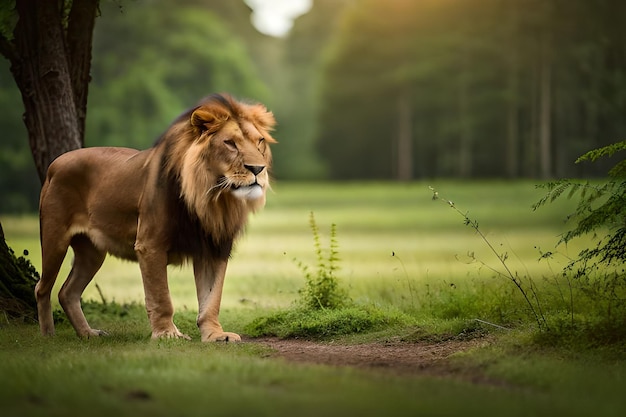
x=185 y=199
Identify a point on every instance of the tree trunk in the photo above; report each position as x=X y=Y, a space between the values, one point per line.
x=82 y=19
x=42 y=75
x=464 y=115
x=50 y=65
x=512 y=119
x=530 y=141
x=50 y=56
x=545 y=112
x=405 y=139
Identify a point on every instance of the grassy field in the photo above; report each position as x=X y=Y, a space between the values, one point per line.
x=399 y=251
x=393 y=239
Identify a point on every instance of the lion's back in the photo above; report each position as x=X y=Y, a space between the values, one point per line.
x=95 y=191
x=86 y=162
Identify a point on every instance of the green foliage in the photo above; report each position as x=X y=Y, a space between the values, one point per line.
x=145 y=74
x=297 y=79
x=18 y=277
x=601 y=210
x=598 y=271
x=589 y=331
x=322 y=289
x=8 y=18
x=585 y=304
x=19 y=182
x=594 y=154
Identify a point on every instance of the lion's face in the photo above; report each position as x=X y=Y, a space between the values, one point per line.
x=229 y=156
x=241 y=157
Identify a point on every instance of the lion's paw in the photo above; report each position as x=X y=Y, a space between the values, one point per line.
x=89 y=333
x=222 y=337
x=170 y=334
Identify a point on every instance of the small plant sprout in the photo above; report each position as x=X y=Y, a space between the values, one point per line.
x=322 y=289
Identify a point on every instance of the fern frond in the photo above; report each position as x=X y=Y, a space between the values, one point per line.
x=601 y=210
x=619 y=170
x=609 y=150
x=555 y=189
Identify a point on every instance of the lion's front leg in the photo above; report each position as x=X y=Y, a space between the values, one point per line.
x=209 y=276
x=153 y=264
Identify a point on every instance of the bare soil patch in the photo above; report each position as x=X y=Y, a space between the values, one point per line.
x=397 y=357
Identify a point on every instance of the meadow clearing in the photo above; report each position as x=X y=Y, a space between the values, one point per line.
x=393 y=239
x=399 y=251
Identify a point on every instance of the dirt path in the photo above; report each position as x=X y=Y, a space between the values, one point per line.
x=402 y=358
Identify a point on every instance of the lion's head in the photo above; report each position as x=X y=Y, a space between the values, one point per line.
x=219 y=153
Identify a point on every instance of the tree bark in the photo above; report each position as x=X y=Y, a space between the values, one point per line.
x=50 y=56
x=50 y=65
x=42 y=75
x=81 y=23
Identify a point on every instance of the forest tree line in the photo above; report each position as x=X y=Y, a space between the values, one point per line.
x=362 y=89
x=467 y=88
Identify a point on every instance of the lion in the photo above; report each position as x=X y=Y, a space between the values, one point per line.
x=186 y=199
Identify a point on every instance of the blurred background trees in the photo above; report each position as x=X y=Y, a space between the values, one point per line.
x=362 y=89
x=152 y=61
x=486 y=88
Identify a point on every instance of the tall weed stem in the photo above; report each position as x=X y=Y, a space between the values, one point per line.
x=535 y=307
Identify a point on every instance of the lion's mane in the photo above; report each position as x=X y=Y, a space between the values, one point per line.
x=200 y=195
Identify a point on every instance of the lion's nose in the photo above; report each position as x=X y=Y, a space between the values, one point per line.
x=255 y=169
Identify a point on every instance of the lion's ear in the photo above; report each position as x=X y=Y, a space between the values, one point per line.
x=208 y=118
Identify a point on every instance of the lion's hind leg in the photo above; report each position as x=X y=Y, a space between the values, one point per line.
x=87 y=261
x=53 y=252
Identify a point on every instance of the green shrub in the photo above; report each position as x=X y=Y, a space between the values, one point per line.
x=322 y=289
x=324 y=308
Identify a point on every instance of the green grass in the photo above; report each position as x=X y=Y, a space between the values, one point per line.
x=127 y=374
x=397 y=249
x=390 y=236
x=326 y=323
x=401 y=255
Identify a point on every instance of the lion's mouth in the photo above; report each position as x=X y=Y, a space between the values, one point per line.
x=247 y=192
x=252 y=191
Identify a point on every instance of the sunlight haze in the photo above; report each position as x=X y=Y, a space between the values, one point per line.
x=275 y=17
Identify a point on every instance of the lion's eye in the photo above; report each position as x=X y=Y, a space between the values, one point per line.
x=262 y=145
x=230 y=144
